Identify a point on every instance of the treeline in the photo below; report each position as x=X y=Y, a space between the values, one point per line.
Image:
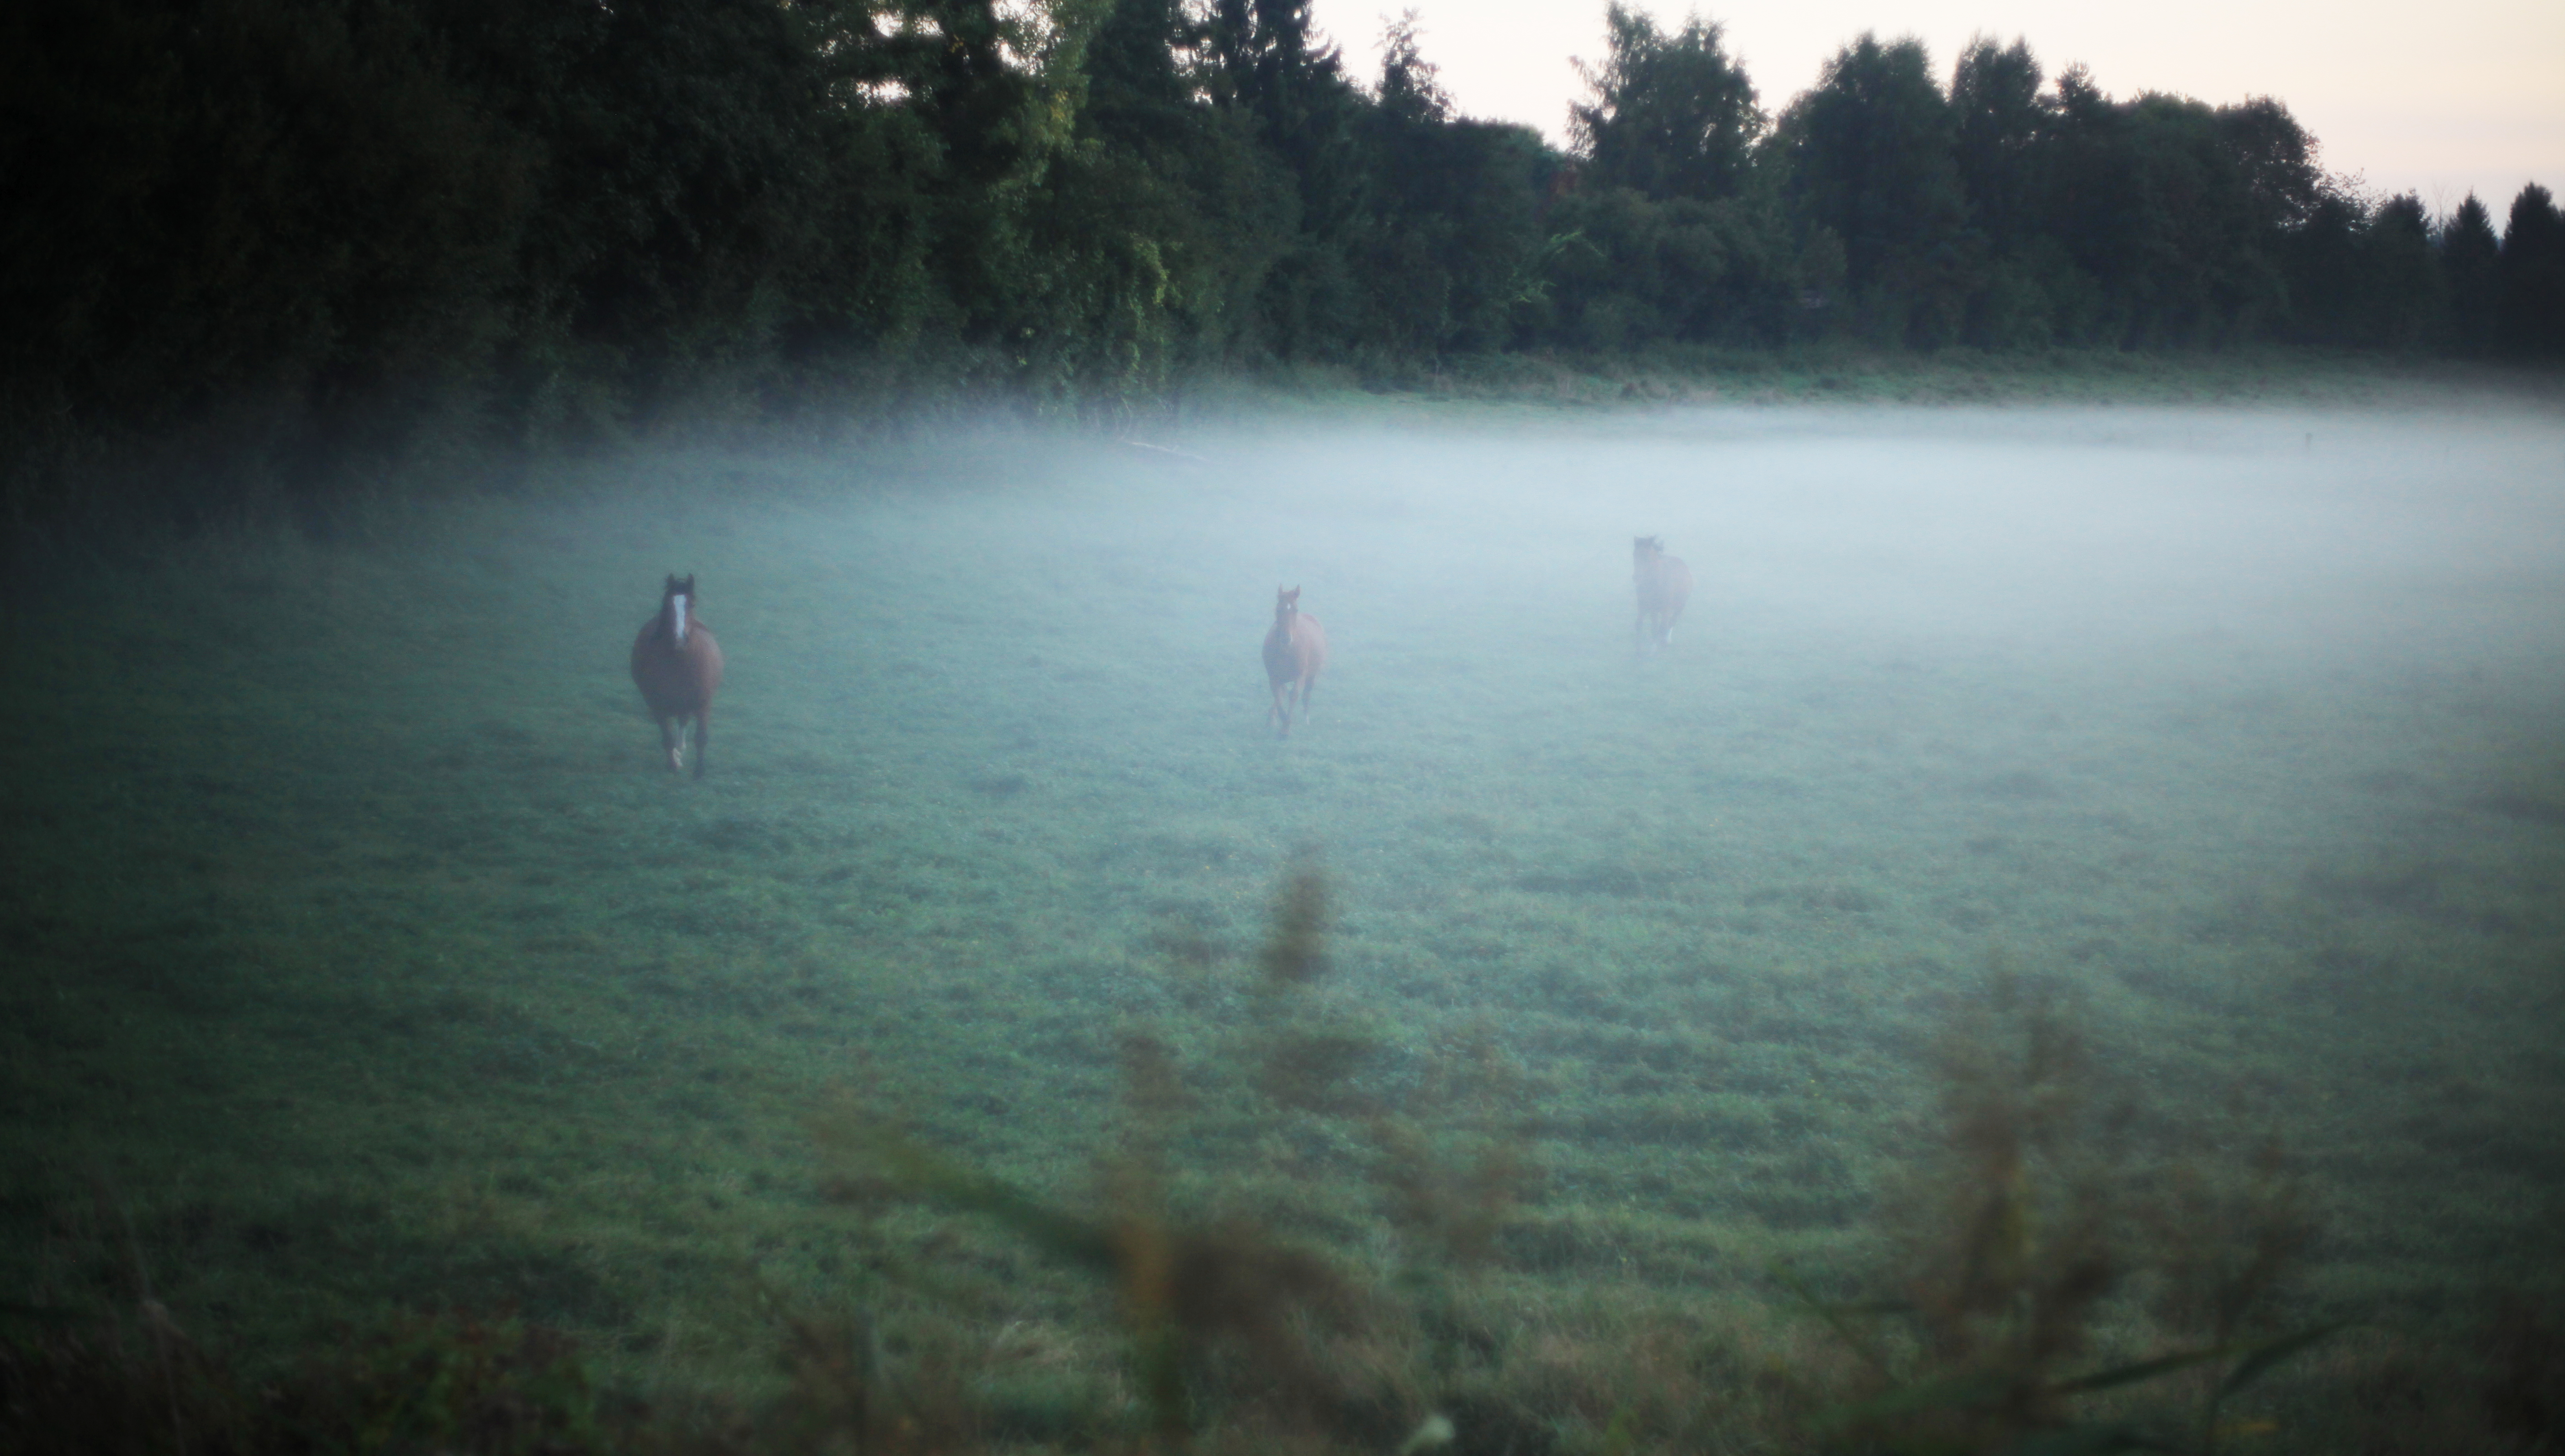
x=302 y=239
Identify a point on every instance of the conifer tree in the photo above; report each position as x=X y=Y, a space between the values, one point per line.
x=2471 y=260
x=2532 y=271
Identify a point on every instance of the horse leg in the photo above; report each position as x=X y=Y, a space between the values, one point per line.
x=703 y=737
x=672 y=737
x=1281 y=717
x=1307 y=684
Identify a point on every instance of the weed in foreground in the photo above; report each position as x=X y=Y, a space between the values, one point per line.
x=1231 y=1326
x=2033 y=1253
x=2028 y=1228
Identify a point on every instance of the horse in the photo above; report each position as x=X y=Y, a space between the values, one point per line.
x=1293 y=653
x=1665 y=583
x=677 y=664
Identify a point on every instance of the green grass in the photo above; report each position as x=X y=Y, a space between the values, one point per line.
x=1841 y=375
x=361 y=956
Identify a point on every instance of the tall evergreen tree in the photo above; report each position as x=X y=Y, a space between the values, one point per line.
x=1268 y=59
x=2470 y=263
x=2322 y=259
x=2532 y=271
x=2407 y=298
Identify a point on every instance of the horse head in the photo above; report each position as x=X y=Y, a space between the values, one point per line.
x=1286 y=605
x=676 y=606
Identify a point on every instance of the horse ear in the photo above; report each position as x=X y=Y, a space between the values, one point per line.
x=690 y=584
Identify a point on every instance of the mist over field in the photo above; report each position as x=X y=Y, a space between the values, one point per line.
x=368 y=955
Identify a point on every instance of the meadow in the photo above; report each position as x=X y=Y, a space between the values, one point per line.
x=363 y=956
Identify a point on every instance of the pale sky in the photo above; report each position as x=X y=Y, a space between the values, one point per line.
x=2435 y=98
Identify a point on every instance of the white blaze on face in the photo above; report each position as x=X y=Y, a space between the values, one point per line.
x=677 y=618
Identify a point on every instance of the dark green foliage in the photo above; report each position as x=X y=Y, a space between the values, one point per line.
x=2005 y=148
x=263 y=227
x=2002 y=120
x=1664 y=234
x=1182 y=176
x=2407 y=298
x=2367 y=276
x=1266 y=62
x=1626 y=271
x=2175 y=209
x=2533 y=277
x=1448 y=245
x=2470 y=263
x=672 y=209
x=1672 y=116
x=1869 y=159
x=441 y=1383
x=269 y=253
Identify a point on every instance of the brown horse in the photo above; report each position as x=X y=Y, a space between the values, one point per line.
x=677 y=664
x=1293 y=653
x=1665 y=583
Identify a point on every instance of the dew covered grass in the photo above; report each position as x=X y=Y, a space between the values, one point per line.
x=361 y=954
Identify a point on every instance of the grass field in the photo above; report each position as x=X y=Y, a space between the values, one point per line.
x=362 y=956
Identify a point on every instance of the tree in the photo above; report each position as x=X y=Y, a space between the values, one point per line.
x=1151 y=236
x=2277 y=159
x=1411 y=88
x=1266 y=58
x=2178 y=212
x=2323 y=261
x=1627 y=271
x=1450 y=227
x=1672 y=116
x=2002 y=120
x=2405 y=301
x=274 y=230
x=2532 y=271
x=1265 y=63
x=2471 y=260
x=1869 y=157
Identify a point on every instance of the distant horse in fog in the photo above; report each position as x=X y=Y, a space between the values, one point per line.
x=1665 y=583
x=1294 y=650
x=677 y=664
